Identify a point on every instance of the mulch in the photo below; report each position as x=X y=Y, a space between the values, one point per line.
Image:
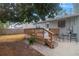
x=17 y=49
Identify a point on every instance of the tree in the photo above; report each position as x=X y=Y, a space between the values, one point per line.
x=24 y=12
x=13 y=12
x=42 y=10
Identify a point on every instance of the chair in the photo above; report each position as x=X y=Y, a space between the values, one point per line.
x=73 y=36
x=64 y=36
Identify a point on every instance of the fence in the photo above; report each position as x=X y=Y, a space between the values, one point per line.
x=11 y=31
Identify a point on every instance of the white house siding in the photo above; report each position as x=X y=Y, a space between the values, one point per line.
x=77 y=25
x=40 y=25
x=72 y=22
x=54 y=24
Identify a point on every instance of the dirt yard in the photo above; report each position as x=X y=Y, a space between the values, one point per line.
x=17 y=49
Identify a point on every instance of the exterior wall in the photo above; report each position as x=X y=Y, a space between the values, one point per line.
x=74 y=22
x=77 y=25
x=42 y=25
x=51 y=24
x=71 y=23
x=63 y=30
x=54 y=24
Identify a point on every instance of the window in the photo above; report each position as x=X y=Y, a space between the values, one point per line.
x=61 y=23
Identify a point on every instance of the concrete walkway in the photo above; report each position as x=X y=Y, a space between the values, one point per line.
x=63 y=49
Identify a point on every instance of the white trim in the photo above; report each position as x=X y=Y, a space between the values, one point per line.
x=59 y=18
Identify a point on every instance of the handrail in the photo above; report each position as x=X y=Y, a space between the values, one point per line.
x=50 y=42
x=43 y=29
x=49 y=33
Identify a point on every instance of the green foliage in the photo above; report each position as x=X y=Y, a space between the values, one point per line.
x=42 y=10
x=4 y=25
x=24 y=12
x=1 y=25
x=31 y=40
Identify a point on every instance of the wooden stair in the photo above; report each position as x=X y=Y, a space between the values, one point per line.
x=39 y=34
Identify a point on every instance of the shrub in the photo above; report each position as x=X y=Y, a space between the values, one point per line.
x=31 y=40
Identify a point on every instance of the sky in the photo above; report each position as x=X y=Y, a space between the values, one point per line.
x=67 y=6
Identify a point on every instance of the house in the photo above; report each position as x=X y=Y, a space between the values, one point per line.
x=21 y=26
x=65 y=24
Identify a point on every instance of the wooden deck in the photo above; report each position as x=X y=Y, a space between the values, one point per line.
x=39 y=34
x=13 y=45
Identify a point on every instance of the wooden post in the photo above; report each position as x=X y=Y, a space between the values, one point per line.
x=43 y=33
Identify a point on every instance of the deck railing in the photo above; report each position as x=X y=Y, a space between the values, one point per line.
x=39 y=33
